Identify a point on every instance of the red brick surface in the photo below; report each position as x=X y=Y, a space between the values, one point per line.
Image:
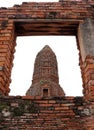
x=36 y=113
x=88 y=77
x=46 y=114
x=69 y=11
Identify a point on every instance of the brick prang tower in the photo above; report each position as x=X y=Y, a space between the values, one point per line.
x=67 y=18
x=45 y=78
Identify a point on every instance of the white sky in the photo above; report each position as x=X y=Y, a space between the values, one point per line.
x=10 y=3
x=26 y=50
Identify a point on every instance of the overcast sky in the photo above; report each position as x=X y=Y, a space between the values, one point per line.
x=27 y=48
x=9 y=3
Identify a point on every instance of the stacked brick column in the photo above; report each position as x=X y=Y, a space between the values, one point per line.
x=86 y=43
x=7 y=43
x=88 y=77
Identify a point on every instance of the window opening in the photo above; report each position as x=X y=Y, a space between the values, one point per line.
x=45 y=92
x=65 y=48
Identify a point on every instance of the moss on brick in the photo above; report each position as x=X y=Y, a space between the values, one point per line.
x=3 y=106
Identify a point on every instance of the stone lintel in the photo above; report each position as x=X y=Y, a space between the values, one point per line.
x=86 y=38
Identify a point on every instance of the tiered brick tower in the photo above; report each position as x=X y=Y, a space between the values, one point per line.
x=45 y=78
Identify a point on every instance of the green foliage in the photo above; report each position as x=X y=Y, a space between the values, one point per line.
x=23 y=107
x=2 y=106
x=1 y=119
x=41 y=81
x=17 y=112
x=32 y=108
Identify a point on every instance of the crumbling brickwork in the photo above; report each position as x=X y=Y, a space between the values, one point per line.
x=29 y=113
x=45 y=82
x=66 y=17
x=7 y=44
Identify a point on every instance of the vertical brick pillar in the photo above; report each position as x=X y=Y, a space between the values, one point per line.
x=7 y=44
x=86 y=43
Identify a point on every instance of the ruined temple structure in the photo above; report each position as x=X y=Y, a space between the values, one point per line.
x=45 y=78
x=55 y=112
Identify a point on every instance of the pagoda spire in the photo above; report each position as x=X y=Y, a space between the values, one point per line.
x=45 y=81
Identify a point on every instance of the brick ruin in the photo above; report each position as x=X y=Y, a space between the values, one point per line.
x=45 y=81
x=66 y=17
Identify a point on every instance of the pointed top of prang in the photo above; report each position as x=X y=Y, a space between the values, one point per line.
x=47 y=47
x=45 y=51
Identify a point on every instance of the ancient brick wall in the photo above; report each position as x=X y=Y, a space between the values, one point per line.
x=7 y=44
x=55 y=18
x=67 y=17
x=26 y=113
x=65 y=9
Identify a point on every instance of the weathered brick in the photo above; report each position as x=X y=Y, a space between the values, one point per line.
x=38 y=113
